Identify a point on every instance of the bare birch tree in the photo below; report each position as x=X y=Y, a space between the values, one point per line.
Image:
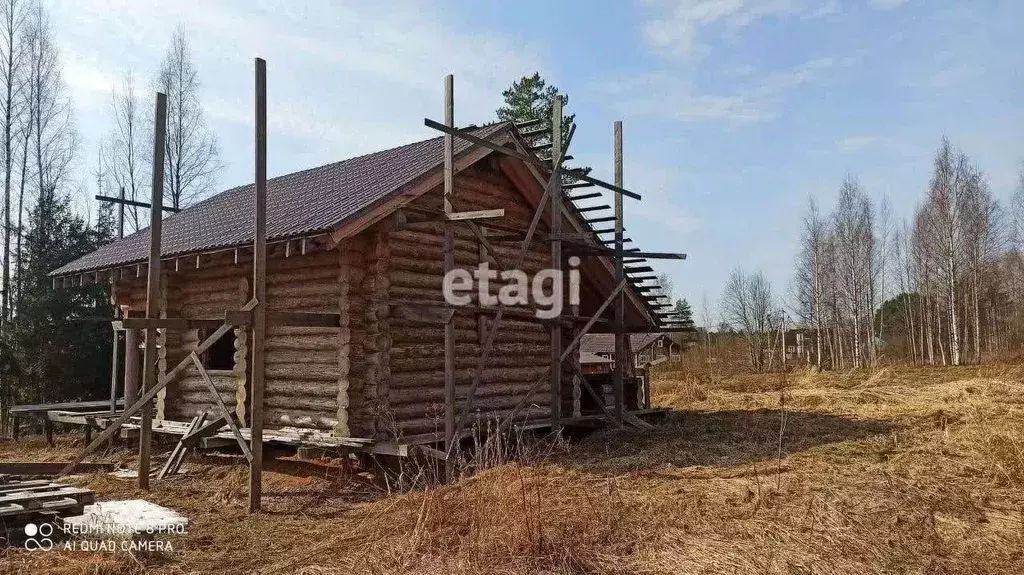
x=54 y=140
x=192 y=153
x=126 y=157
x=748 y=302
x=12 y=60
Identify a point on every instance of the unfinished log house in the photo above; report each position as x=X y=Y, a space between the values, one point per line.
x=363 y=239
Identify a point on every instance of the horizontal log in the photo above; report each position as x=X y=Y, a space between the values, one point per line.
x=435 y=394
x=298 y=387
x=465 y=376
x=415 y=335
x=327 y=407
x=298 y=418
x=430 y=424
x=327 y=356
x=465 y=361
x=200 y=398
x=473 y=350
x=303 y=371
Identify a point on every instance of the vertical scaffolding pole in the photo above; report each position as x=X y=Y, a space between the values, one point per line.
x=120 y=215
x=449 y=265
x=259 y=287
x=620 y=300
x=152 y=285
x=556 y=263
x=113 y=368
x=131 y=366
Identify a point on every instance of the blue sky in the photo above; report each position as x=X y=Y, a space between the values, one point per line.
x=735 y=111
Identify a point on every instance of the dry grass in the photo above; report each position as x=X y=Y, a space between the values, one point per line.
x=899 y=470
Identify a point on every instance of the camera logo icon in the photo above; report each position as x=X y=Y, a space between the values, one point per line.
x=37 y=537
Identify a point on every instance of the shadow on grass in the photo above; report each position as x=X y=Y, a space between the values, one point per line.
x=719 y=438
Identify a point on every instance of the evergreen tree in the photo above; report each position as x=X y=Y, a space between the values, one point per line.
x=61 y=358
x=684 y=313
x=530 y=98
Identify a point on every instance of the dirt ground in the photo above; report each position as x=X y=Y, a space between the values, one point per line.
x=897 y=470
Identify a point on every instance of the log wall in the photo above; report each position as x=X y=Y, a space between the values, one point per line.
x=380 y=373
x=521 y=352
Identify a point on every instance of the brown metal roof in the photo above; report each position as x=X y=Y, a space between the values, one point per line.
x=299 y=204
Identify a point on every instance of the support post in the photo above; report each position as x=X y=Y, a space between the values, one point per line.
x=449 y=265
x=113 y=370
x=131 y=366
x=556 y=262
x=120 y=214
x=620 y=300
x=152 y=286
x=259 y=287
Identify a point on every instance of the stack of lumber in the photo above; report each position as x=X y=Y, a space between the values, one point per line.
x=38 y=501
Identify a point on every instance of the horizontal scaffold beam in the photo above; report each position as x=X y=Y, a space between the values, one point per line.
x=575 y=173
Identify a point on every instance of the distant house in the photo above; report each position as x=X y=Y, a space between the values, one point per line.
x=646 y=348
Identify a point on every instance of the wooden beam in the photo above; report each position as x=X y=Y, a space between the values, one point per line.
x=529 y=124
x=172 y=323
x=259 y=286
x=149 y=394
x=593 y=208
x=620 y=276
x=556 y=263
x=601 y=219
x=466 y=134
x=450 y=439
x=152 y=285
x=584 y=196
x=476 y=214
x=228 y=418
x=123 y=202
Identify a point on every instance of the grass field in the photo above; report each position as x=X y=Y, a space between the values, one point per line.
x=897 y=470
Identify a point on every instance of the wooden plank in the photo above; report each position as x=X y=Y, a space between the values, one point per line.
x=209 y=428
x=247 y=450
x=619 y=310
x=149 y=395
x=172 y=323
x=80 y=494
x=449 y=265
x=124 y=202
x=24 y=484
x=476 y=214
x=466 y=134
x=259 y=286
x=593 y=208
x=153 y=284
x=555 y=372
x=172 y=462
x=42 y=408
x=115 y=343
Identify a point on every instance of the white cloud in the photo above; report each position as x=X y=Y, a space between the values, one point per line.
x=757 y=99
x=854 y=144
x=675 y=26
x=342 y=79
x=886 y=4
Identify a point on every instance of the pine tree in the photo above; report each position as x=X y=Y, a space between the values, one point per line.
x=684 y=312
x=530 y=98
x=61 y=357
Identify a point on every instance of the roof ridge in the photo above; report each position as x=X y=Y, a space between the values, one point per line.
x=353 y=158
